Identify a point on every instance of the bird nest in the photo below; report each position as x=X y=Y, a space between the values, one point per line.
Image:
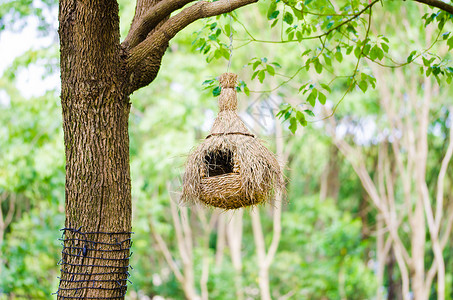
x=231 y=168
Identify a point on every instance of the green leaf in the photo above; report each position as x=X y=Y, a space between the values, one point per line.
x=228 y=29
x=385 y=47
x=436 y=70
x=225 y=53
x=287 y=115
x=309 y=112
x=274 y=23
x=284 y=110
x=384 y=38
x=339 y=56
x=216 y=91
x=270 y=70
x=357 y=51
x=327 y=59
x=261 y=76
x=256 y=64
x=299 y=36
x=349 y=50
x=207 y=82
x=306 y=52
x=297 y=13
x=366 y=49
x=274 y=15
x=312 y=97
x=288 y=18
x=425 y=62
x=372 y=81
x=450 y=43
x=247 y=90
x=374 y=52
x=206 y=49
x=411 y=56
x=301 y=118
x=322 y=98
x=293 y=125
x=318 y=66
x=272 y=9
x=363 y=85
x=380 y=54
x=303 y=87
x=326 y=87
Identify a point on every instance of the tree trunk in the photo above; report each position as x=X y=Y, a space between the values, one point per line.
x=418 y=252
x=394 y=285
x=95 y=107
x=330 y=179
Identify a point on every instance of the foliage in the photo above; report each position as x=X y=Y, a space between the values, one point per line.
x=14 y=14
x=338 y=41
x=31 y=251
x=319 y=245
x=32 y=163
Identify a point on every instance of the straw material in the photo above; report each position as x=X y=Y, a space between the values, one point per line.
x=245 y=171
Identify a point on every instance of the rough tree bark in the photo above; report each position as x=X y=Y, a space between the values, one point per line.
x=98 y=73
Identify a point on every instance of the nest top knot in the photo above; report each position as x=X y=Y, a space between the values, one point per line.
x=228 y=98
x=228 y=80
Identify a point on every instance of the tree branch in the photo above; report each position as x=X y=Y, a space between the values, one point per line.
x=437 y=3
x=442 y=173
x=277 y=224
x=141 y=9
x=167 y=255
x=145 y=58
x=141 y=27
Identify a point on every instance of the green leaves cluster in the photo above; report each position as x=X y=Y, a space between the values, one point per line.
x=14 y=14
x=294 y=116
x=31 y=250
x=210 y=41
x=261 y=67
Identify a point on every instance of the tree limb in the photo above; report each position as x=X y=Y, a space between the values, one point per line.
x=442 y=173
x=445 y=238
x=277 y=224
x=150 y=19
x=437 y=3
x=141 y=9
x=144 y=59
x=167 y=255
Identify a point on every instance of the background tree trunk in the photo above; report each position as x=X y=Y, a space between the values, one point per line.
x=95 y=122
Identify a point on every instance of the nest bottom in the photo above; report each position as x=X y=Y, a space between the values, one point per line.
x=227 y=191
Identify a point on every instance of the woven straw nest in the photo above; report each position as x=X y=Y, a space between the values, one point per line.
x=231 y=168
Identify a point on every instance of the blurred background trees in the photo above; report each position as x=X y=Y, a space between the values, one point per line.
x=369 y=207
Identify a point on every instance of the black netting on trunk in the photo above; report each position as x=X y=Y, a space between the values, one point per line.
x=91 y=266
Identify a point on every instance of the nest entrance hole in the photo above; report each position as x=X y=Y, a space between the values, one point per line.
x=219 y=163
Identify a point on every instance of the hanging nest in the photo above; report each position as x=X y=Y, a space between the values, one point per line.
x=231 y=168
